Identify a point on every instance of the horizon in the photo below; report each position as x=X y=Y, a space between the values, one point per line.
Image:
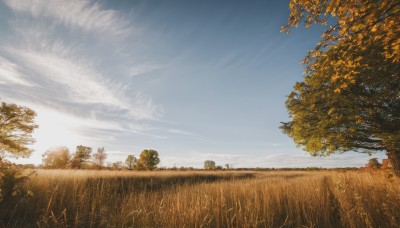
x=193 y=80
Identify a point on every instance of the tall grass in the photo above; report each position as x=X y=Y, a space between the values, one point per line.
x=207 y=199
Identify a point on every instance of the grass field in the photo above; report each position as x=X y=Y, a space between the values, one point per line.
x=206 y=199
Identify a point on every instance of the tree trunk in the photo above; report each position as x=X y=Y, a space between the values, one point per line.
x=394 y=158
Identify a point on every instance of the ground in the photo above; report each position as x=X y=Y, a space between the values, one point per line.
x=206 y=198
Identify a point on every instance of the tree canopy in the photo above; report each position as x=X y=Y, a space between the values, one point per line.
x=209 y=164
x=149 y=159
x=100 y=156
x=355 y=25
x=130 y=162
x=350 y=96
x=16 y=128
x=56 y=158
x=354 y=21
x=363 y=115
x=81 y=155
x=374 y=163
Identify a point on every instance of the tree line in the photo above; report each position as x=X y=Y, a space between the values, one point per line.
x=211 y=165
x=84 y=158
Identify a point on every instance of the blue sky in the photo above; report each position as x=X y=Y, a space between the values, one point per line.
x=194 y=80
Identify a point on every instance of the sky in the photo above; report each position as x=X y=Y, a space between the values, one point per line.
x=194 y=80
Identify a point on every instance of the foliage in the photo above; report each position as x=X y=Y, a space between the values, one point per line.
x=349 y=97
x=130 y=162
x=374 y=163
x=357 y=22
x=364 y=116
x=81 y=155
x=148 y=159
x=100 y=157
x=116 y=165
x=16 y=128
x=208 y=164
x=56 y=158
x=13 y=182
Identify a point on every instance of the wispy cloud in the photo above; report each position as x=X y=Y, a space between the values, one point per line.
x=76 y=99
x=140 y=69
x=77 y=79
x=10 y=73
x=65 y=67
x=82 y=14
x=69 y=61
x=179 y=132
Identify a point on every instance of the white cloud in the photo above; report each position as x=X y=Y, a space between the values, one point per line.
x=66 y=72
x=10 y=73
x=142 y=69
x=83 y=14
x=179 y=132
x=78 y=79
x=59 y=48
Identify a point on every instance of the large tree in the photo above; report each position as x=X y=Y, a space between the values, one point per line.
x=350 y=97
x=149 y=159
x=81 y=155
x=56 y=158
x=16 y=128
x=332 y=115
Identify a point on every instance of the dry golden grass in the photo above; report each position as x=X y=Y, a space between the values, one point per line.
x=207 y=199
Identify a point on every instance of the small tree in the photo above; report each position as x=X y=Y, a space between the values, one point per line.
x=130 y=162
x=117 y=165
x=208 y=164
x=100 y=156
x=56 y=158
x=228 y=166
x=81 y=156
x=148 y=159
x=374 y=163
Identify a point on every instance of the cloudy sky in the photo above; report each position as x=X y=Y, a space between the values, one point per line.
x=194 y=80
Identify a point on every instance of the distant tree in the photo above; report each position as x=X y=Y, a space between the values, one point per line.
x=208 y=164
x=228 y=166
x=28 y=166
x=99 y=157
x=140 y=165
x=56 y=158
x=374 y=163
x=130 y=162
x=117 y=165
x=81 y=155
x=16 y=128
x=148 y=159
